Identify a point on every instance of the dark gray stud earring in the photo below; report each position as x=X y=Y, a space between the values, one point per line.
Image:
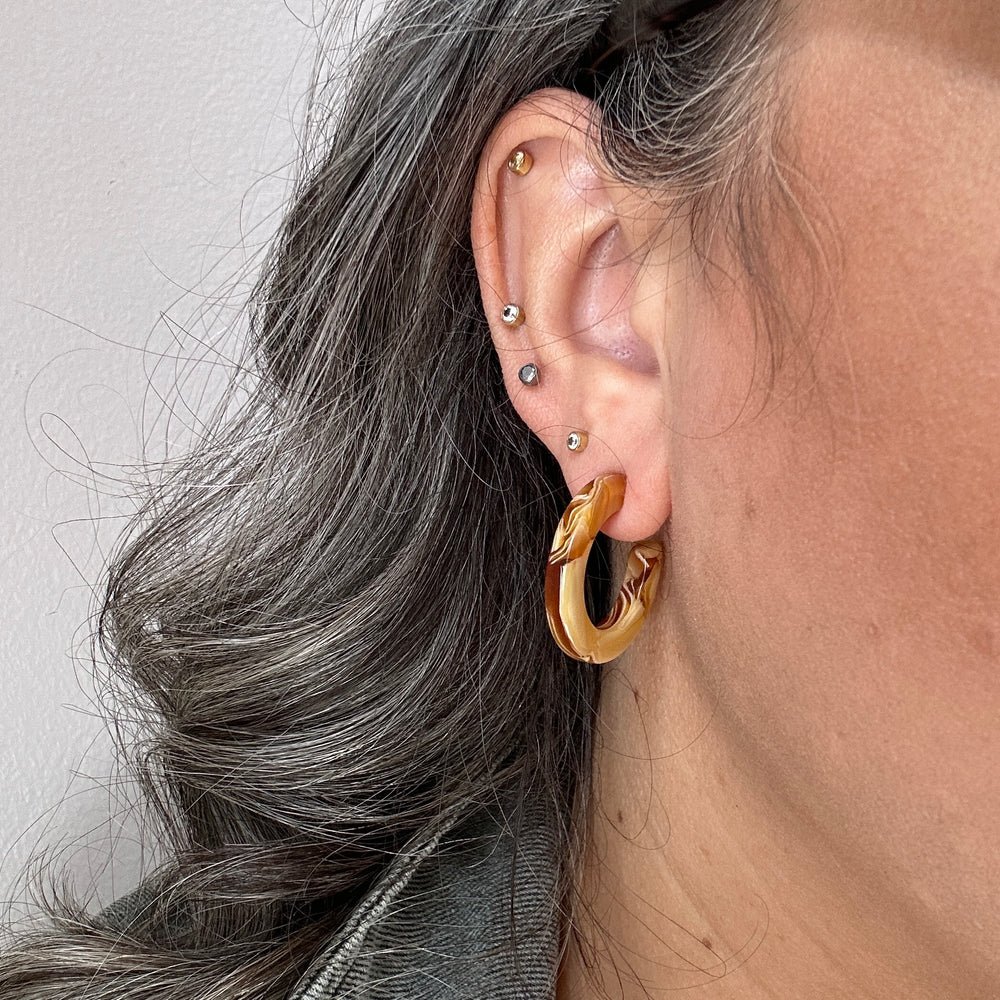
x=528 y=374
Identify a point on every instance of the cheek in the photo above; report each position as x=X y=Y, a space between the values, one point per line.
x=845 y=517
x=836 y=538
x=836 y=558
x=856 y=503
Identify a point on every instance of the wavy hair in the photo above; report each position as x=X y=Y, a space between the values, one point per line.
x=328 y=617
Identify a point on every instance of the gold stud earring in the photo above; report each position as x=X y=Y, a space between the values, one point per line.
x=565 y=578
x=577 y=441
x=519 y=162
x=512 y=315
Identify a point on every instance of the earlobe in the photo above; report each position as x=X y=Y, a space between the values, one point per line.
x=558 y=274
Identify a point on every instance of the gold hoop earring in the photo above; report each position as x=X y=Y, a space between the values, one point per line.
x=572 y=629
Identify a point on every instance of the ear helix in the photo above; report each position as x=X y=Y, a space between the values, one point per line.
x=519 y=162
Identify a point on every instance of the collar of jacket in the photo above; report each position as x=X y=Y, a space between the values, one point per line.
x=472 y=913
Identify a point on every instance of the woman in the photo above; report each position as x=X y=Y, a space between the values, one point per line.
x=741 y=254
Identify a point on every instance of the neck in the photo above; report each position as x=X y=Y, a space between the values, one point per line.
x=699 y=872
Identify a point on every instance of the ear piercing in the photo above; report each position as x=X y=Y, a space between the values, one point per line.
x=512 y=315
x=565 y=578
x=519 y=162
x=577 y=441
x=528 y=374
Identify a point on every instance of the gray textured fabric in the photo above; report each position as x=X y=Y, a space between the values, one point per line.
x=469 y=916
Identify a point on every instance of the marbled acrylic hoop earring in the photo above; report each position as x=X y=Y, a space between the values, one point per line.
x=565 y=578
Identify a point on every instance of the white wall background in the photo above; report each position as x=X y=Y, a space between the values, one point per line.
x=144 y=151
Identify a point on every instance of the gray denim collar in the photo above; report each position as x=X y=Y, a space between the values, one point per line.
x=470 y=914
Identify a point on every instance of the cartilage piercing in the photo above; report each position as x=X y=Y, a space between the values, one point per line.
x=519 y=162
x=512 y=315
x=528 y=374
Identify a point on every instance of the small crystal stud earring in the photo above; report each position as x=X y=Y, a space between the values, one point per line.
x=512 y=315
x=577 y=441
x=519 y=162
x=528 y=374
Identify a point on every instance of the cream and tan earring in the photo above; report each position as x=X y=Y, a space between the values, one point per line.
x=565 y=578
x=519 y=162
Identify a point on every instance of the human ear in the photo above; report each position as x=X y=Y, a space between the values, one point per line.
x=558 y=242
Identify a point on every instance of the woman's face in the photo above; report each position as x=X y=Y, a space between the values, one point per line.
x=836 y=545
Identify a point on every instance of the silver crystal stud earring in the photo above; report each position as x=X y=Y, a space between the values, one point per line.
x=577 y=441
x=512 y=315
x=528 y=374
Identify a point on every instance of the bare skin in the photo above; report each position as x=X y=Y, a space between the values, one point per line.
x=796 y=780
